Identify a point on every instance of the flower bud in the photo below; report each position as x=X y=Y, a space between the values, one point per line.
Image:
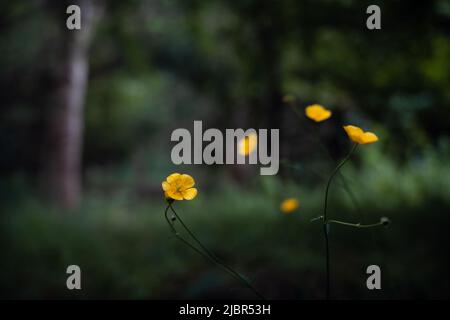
x=385 y=221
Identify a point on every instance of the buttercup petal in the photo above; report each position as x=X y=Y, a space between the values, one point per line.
x=325 y=115
x=359 y=136
x=248 y=144
x=289 y=205
x=369 y=137
x=354 y=133
x=166 y=186
x=173 y=177
x=353 y=130
x=187 y=181
x=189 y=194
x=176 y=195
x=317 y=112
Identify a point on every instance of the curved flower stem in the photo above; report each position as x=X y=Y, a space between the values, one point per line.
x=357 y=225
x=206 y=256
x=324 y=149
x=325 y=221
x=207 y=253
x=192 y=235
x=184 y=240
x=172 y=228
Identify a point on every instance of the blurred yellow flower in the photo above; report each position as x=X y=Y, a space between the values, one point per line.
x=179 y=187
x=357 y=135
x=289 y=205
x=248 y=144
x=317 y=112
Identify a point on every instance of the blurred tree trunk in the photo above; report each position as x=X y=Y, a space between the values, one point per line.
x=66 y=116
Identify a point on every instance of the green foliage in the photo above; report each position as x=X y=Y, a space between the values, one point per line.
x=126 y=250
x=160 y=65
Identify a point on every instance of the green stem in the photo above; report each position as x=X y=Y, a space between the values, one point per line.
x=327 y=255
x=206 y=256
x=336 y=170
x=325 y=221
x=192 y=234
x=182 y=239
x=326 y=151
x=207 y=253
x=356 y=225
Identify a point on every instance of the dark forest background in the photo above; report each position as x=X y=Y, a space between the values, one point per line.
x=85 y=125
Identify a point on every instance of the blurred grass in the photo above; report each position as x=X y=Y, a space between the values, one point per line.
x=126 y=250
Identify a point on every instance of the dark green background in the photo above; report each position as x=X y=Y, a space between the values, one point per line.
x=159 y=65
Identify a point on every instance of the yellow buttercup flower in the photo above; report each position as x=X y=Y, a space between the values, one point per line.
x=248 y=144
x=179 y=187
x=358 y=135
x=317 y=112
x=289 y=205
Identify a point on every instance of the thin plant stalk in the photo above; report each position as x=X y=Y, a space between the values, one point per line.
x=206 y=256
x=344 y=183
x=354 y=225
x=326 y=222
x=347 y=188
x=357 y=225
x=341 y=176
x=206 y=253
